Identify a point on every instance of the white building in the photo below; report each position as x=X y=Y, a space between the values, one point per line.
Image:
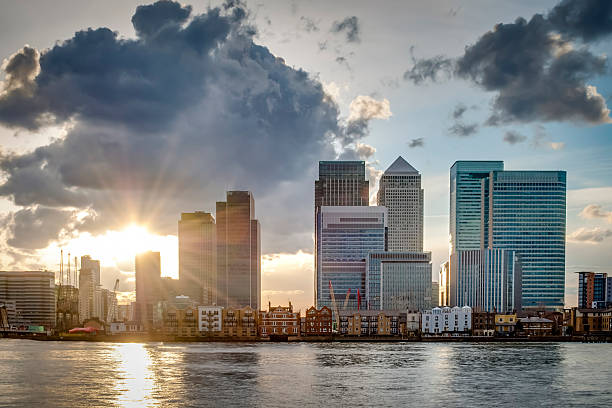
x=413 y=321
x=400 y=191
x=90 y=300
x=126 y=328
x=210 y=319
x=447 y=321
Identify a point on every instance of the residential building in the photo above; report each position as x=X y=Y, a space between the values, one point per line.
x=126 y=328
x=487 y=279
x=318 y=322
x=413 y=322
x=148 y=287
x=197 y=244
x=279 y=321
x=401 y=193
x=444 y=283
x=238 y=252
x=242 y=322
x=505 y=324
x=180 y=321
x=370 y=323
x=525 y=212
x=398 y=280
x=30 y=297
x=535 y=326
x=89 y=289
x=210 y=320
x=588 y=321
x=483 y=323
x=465 y=202
x=345 y=237
x=447 y=321
x=592 y=290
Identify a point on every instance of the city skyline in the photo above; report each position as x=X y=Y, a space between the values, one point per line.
x=75 y=192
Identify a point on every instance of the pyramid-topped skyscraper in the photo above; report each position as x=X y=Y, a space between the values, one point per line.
x=400 y=191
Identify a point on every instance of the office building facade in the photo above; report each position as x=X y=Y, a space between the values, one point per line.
x=592 y=288
x=398 y=280
x=30 y=296
x=342 y=183
x=344 y=238
x=90 y=305
x=465 y=202
x=238 y=252
x=489 y=280
x=400 y=191
x=197 y=256
x=525 y=212
x=148 y=287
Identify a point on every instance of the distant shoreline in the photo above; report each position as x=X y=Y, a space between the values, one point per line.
x=313 y=339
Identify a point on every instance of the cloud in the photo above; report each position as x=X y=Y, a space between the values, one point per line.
x=365 y=151
x=166 y=121
x=366 y=107
x=590 y=236
x=541 y=139
x=418 y=142
x=538 y=68
x=34 y=228
x=463 y=130
x=428 y=69
x=459 y=110
x=513 y=137
x=350 y=27
x=594 y=211
x=308 y=24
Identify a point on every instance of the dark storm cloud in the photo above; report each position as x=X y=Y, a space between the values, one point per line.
x=534 y=66
x=418 y=142
x=33 y=228
x=463 y=130
x=513 y=137
x=350 y=27
x=162 y=123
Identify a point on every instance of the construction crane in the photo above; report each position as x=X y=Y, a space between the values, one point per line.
x=334 y=305
x=346 y=299
x=113 y=305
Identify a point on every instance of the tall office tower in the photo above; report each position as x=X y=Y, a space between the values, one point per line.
x=465 y=202
x=342 y=183
x=30 y=296
x=400 y=191
x=89 y=289
x=488 y=280
x=398 y=280
x=444 y=282
x=435 y=294
x=148 y=286
x=345 y=237
x=238 y=252
x=524 y=211
x=592 y=290
x=197 y=256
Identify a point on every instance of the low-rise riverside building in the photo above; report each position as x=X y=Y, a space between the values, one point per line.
x=447 y=321
x=317 y=322
x=535 y=326
x=413 y=323
x=179 y=321
x=505 y=324
x=239 y=322
x=483 y=324
x=210 y=320
x=279 y=321
x=370 y=323
x=588 y=321
x=124 y=328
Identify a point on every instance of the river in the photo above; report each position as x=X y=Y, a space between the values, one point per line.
x=68 y=374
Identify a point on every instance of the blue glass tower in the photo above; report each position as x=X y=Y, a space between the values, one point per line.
x=525 y=212
x=465 y=202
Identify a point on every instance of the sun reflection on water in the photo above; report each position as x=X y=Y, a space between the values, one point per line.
x=137 y=382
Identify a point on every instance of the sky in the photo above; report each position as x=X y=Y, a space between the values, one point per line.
x=116 y=116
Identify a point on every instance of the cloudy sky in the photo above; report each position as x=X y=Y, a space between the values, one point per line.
x=114 y=118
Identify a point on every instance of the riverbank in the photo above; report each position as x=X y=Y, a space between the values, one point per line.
x=144 y=338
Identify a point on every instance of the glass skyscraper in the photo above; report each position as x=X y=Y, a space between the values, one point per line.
x=525 y=211
x=465 y=202
x=399 y=281
x=342 y=183
x=345 y=235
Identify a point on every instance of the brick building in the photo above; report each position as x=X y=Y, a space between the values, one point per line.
x=317 y=322
x=483 y=324
x=370 y=323
x=279 y=321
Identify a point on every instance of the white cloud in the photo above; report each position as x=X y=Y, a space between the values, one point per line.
x=589 y=235
x=366 y=107
x=594 y=211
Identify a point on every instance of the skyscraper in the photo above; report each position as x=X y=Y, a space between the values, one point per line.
x=400 y=191
x=525 y=212
x=148 y=286
x=342 y=183
x=197 y=256
x=592 y=290
x=238 y=252
x=345 y=237
x=30 y=296
x=465 y=202
x=89 y=289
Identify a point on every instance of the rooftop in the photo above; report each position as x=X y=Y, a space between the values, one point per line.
x=400 y=166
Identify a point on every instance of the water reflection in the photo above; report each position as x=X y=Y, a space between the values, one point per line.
x=135 y=382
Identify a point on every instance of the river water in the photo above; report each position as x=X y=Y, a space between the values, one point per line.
x=68 y=374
